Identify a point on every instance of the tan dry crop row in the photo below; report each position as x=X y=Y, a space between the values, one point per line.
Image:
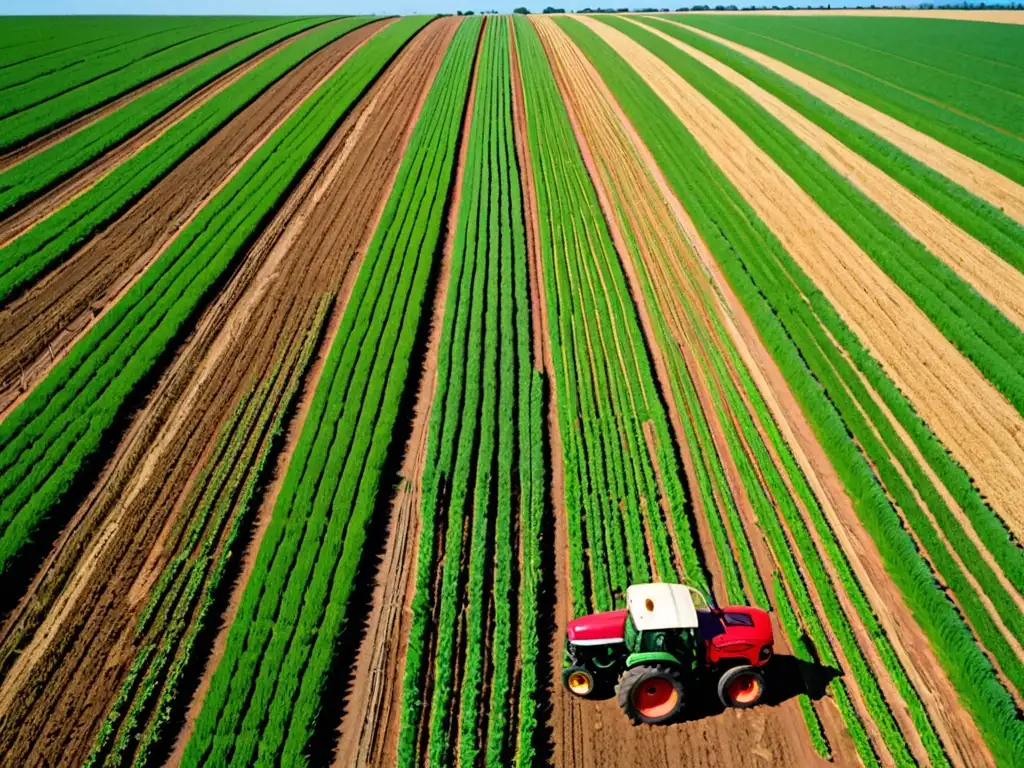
x=975 y=177
x=994 y=278
x=984 y=432
x=619 y=150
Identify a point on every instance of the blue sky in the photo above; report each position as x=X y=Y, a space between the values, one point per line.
x=298 y=7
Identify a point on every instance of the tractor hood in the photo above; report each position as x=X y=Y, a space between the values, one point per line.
x=598 y=628
x=743 y=625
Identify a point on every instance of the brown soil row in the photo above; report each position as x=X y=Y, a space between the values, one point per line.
x=983 y=431
x=367 y=734
x=599 y=734
x=14 y=156
x=48 y=203
x=994 y=278
x=306 y=251
x=622 y=164
x=973 y=176
x=41 y=325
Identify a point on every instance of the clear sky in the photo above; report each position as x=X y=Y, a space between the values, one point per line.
x=315 y=7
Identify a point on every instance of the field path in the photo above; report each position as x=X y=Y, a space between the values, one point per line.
x=975 y=177
x=991 y=276
x=984 y=432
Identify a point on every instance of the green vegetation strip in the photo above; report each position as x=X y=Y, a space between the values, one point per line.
x=47 y=440
x=42 y=170
x=760 y=271
x=978 y=218
x=983 y=334
x=205 y=537
x=978 y=120
x=54 y=239
x=65 y=102
x=603 y=376
x=483 y=372
x=27 y=38
x=267 y=691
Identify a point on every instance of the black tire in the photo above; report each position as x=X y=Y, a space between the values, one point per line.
x=741 y=687
x=574 y=670
x=650 y=680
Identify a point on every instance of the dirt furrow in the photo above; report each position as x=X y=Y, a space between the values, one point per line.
x=983 y=431
x=42 y=324
x=49 y=202
x=976 y=178
x=367 y=733
x=307 y=250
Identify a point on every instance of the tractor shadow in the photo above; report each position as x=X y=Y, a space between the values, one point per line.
x=785 y=678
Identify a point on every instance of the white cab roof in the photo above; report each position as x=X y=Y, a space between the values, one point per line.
x=661 y=606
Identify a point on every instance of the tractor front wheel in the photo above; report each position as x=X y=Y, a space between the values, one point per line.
x=741 y=687
x=650 y=693
x=578 y=681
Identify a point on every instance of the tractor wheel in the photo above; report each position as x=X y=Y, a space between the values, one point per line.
x=650 y=693
x=741 y=687
x=579 y=681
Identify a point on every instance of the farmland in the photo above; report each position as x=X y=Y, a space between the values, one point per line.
x=345 y=360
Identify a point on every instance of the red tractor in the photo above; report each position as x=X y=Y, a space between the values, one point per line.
x=662 y=642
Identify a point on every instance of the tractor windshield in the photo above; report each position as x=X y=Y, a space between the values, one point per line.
x=631 y=633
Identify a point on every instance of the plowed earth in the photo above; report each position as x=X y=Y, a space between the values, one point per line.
x=76 y=624
x=42 y=324
x=981 y=429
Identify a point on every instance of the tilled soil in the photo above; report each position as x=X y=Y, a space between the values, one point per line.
x=79 y=616
x=978 y=425
x=41 y=325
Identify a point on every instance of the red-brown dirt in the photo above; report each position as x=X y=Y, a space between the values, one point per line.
x=76 y=620
x=41 y=324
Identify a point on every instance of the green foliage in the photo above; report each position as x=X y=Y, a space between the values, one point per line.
x=266 y=692
x=977 y=117
x=761 y=273
x=43 y=169
x=46 y=441
x=42 y=104
x=53 y=239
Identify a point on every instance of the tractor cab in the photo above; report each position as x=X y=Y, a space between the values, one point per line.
x=667 y=638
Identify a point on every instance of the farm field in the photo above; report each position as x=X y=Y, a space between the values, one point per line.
x=345 y=360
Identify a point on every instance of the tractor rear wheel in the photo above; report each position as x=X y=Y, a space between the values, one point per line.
x=650 y=693
x=741 y=687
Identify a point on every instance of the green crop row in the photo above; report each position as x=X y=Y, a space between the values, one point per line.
x=993 y=139
x=27 y=38
x=179 y=605
x=25 y=118
x=985 y=336
x=896 y=250
x=53 y=239
x=604 y=378
x=42 y=170
x=88 y=45
x=267 y=690
x=760 y=272
x=49 y=438
x=978 y=218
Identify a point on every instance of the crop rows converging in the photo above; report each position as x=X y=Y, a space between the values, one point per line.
x=345 y=360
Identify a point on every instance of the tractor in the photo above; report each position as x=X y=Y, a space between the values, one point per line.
x=661 y=644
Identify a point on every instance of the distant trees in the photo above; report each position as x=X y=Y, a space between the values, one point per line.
x=521 y=10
